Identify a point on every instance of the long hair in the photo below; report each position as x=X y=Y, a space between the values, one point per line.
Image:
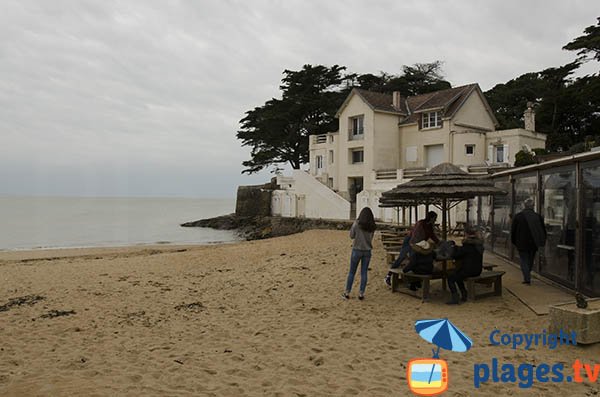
x=366 y=220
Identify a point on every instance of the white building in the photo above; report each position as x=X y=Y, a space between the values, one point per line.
x=386 y=139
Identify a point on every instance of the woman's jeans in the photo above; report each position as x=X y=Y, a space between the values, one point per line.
x=364 y=257
x=405 y=250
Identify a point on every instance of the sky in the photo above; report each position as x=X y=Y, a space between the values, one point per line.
x=144 y=98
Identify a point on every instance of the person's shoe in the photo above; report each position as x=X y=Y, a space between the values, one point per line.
x=454 y=299
x=526 y=282
x=361 y=297
x=345 y=296
x=388 y=280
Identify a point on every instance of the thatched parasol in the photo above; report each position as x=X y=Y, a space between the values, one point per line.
x=444 y=186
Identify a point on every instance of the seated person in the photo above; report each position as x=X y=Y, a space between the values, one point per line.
x=421 y=261
x=470 y=255
x=421 y=231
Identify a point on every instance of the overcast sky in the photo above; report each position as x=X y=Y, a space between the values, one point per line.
x=144 y=98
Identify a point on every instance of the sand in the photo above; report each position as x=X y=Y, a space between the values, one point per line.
x=252 y=318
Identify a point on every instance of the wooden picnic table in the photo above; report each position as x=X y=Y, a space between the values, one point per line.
x=488 y=277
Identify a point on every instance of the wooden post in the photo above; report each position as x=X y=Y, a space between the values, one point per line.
x=467 y=214
x=444 y=218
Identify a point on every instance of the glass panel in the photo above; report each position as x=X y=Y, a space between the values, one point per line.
x=485 y=226
x=560 y=212
x=501 y=226
x=525 y=187
x=591 y=230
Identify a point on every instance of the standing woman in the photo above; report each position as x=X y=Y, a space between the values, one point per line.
x=362 y=233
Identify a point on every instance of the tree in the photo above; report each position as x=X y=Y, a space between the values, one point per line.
x=509 y=100
x=587 y=45
x=422 y=78
x=558 y=104
x=524 y=157
x=278 y=131
x=417 y=79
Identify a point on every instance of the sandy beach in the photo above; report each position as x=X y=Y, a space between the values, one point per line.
x=245 y=319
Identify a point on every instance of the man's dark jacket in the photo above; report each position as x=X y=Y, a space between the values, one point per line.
x=527 y=231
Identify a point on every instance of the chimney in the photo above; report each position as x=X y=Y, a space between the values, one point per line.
x=529 y=117
x=396 y=100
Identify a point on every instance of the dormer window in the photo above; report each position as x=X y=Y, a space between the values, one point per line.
x=431 y=120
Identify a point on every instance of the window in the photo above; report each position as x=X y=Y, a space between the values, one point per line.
x=498 y=153
x=469 y=150
x=358 y=156
x=431 y=120
x=319 y=161
x=356 y=127
x=331 y=157
x=499 y=157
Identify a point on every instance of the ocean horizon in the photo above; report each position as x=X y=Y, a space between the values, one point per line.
x=53 y=222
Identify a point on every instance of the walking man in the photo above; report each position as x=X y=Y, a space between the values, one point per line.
x=527 y=234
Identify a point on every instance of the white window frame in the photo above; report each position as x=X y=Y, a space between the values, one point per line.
x=431 y=120
x=362 y=160
x=467 y=146
x=496 y=151
x=356 y=131
x=319 y=162
x=331 y=157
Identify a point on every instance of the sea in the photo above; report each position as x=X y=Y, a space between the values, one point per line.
x=69 y=222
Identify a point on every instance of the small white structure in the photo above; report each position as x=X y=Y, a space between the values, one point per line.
x=387 y=139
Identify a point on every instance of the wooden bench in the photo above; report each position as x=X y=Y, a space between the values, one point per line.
x=391 y=255
x=411 y=277
x=489 y=266
x=487 y=278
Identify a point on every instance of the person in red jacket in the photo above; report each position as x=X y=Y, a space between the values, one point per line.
x=422 y=263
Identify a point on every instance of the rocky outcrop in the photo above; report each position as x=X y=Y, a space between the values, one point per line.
x=261 y=227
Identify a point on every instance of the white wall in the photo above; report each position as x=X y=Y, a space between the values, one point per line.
x=318 y=200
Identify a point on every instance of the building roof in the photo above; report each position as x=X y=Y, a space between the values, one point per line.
x=381 y=101
x=448 y=101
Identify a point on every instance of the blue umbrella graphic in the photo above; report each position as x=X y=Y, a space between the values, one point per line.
x=443 y=333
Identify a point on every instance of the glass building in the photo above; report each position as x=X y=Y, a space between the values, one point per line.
x=566 y=192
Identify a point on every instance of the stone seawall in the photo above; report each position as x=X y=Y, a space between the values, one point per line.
x=254 y=200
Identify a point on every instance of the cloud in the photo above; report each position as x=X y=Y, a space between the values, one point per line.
x=158 y=88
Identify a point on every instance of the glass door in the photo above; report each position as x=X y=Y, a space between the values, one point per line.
x=557 y=259
x=591 y=230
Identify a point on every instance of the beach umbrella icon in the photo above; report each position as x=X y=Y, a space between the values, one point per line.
x=443 y=334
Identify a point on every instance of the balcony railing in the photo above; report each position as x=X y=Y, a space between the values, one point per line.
x=320 y=139
x=386 y=174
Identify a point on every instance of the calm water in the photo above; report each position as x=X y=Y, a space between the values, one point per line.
x=56 y=222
